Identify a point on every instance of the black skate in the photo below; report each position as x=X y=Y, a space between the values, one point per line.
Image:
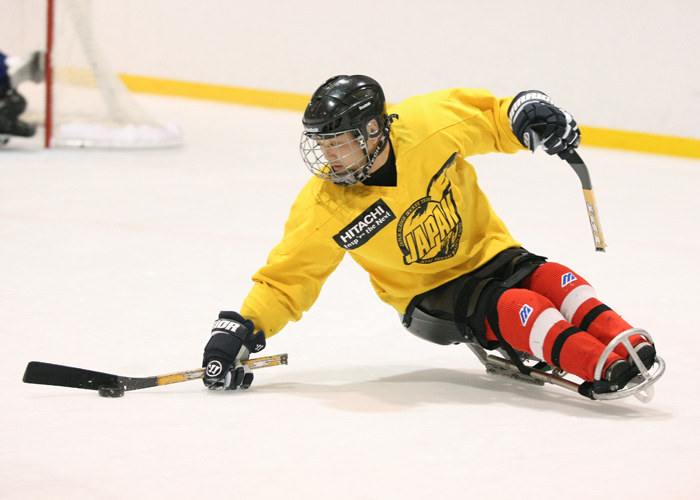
x=17 y=128
x=12 y=104
x=634 y=377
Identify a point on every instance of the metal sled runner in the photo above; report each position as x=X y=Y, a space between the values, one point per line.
x=641 y=386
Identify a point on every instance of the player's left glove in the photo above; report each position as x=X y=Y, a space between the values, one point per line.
x=536 y=121
x=233 y=338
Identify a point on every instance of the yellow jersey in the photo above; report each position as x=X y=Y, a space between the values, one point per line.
x=435 y=225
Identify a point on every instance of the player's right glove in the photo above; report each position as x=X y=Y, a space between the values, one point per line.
x=233 y=338
x=536 y=121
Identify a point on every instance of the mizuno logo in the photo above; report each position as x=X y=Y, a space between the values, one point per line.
x=567 y=278
x=525 y=313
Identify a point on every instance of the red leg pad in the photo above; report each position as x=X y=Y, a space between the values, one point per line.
x=558 y=283
x=529 y=322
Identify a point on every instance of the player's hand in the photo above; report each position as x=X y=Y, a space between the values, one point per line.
x=536 y=121
x=233 y=338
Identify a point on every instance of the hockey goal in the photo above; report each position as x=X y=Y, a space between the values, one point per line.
x=84 y=102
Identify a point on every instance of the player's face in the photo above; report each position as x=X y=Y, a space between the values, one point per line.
x=343 y=152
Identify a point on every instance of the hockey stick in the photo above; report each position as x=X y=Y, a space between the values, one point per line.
x=38 y=372
x=573 y=159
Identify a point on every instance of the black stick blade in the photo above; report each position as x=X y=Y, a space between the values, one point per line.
x=38 y=372
x=575 y=161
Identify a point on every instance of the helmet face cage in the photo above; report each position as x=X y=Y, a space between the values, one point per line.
x=334 y=143
x=338 y=157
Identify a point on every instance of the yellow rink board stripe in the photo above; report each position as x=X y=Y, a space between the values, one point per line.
x=641 y=142
x=220 y=93
x=592 y=136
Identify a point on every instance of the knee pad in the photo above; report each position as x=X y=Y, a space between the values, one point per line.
x=566 y=289
x=525 y=318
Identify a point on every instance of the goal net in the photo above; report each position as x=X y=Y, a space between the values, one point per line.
x=85 y=103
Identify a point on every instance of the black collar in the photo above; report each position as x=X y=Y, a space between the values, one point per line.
x=386 y=174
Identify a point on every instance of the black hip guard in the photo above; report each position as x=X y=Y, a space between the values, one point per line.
x=456 y=311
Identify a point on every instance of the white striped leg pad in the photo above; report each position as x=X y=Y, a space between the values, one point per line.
x=573 y=301
x=544 y=322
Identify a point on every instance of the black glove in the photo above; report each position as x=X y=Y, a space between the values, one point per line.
x=232 y=340
x=537 y=122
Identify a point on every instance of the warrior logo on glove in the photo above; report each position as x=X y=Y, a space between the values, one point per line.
x=214 y=368
x=232 y=339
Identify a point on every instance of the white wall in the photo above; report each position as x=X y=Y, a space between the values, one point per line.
x=621 y=64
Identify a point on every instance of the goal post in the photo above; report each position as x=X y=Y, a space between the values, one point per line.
x=85 y=103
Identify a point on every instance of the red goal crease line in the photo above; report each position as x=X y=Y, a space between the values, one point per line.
x=592 y=136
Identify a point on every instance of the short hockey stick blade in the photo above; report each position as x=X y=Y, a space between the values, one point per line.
x=575 y=161
x=38 y=372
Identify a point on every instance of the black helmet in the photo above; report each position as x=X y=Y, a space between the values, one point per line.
x=345 y=103
x=344 y=106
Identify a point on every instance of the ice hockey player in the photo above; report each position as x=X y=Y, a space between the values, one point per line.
x=394 y=190
x=14 y=71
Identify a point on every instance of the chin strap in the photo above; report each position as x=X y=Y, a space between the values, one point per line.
x=381 y=146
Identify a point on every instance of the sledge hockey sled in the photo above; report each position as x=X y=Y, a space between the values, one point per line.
x=528 y=369
x=537 y=372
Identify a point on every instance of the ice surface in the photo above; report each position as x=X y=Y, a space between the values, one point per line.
x=119 y=261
